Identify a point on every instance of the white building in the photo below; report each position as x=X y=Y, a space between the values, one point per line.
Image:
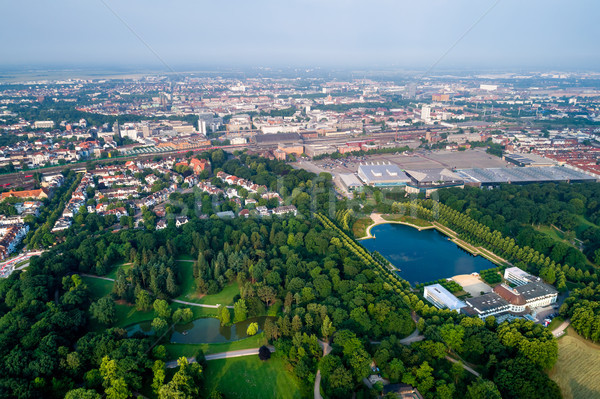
x=518 y=277
x=441 y=298
x=425 y=113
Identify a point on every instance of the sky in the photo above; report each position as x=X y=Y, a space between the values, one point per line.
x=419 y=34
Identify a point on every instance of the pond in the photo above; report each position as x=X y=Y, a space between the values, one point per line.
x=423 y=256
x=205 y=331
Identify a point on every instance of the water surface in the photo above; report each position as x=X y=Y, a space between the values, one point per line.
x=423 y=256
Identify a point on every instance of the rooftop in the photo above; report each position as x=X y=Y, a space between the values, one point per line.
x=535 y=290
x=522 y=175
x=444 y=296
x=487 y=302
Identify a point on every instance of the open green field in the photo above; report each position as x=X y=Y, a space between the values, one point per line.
x=115 y=268
x=577 y=370
x=128 y=314
x=249 y=377
x=175 y=351
x=98 y=287
x=583 y=224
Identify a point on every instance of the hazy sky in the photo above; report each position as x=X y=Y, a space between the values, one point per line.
x=551 y=34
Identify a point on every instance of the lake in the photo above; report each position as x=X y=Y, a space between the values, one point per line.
x=204 y=331
x=423 y=256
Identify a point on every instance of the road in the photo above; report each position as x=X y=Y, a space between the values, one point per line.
x=222 y=355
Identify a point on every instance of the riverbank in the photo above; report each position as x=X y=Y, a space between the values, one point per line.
x=421 y=224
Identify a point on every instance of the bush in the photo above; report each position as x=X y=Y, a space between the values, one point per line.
x=264 y=353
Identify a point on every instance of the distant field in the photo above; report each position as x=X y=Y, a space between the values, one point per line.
x=249 y=377
x=577 y=370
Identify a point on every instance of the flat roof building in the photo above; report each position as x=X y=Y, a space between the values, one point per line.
x=490 y=304
x=350 y=182
x=429 y=180
x=497 y=176
x=518 y=276
x=382 y=175
x=441 y=298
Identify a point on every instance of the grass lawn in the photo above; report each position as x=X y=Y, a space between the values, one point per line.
x=249 y=377
x=188 y=289
x=407 y=219
x=360 y=226
x=98 y=287
x=175 y=351
x=557 y=321
x=116 y=267
x=583 y=224
x=576 y=371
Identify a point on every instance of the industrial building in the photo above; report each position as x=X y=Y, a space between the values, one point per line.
x=382 y=175
x=350 y=182
x=529 y=160
x=429 y=180
x=497 y=176
x=441 y=298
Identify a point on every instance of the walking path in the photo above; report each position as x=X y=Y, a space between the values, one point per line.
x=560 y=330
x=222 y=355
x=326 y=350
x=378 y=219
x=99 y=277
x=200 y=305
x=469 y=369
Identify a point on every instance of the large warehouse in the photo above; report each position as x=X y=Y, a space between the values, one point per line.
x=382 y=175
x=428 y=180
x=497 y=176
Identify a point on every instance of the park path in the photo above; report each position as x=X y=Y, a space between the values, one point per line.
x=326 y=350
x=200 y=305
x=469 y=369
x=378 y=219
x=222 y=355
x=94 y=276
x=560 y=330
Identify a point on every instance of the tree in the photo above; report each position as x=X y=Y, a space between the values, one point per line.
x=224 y=315
x=483 y=389
x=143 y=300
x=452 y=335
x=159 y=325
x=158 y=370
x=327 y=329
x=82 y=393
x=240 y=312
x=104 y=310
x=267 y=294
x=252 y=329
x=264 y=353
x=186 y=382
x=162 y=309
